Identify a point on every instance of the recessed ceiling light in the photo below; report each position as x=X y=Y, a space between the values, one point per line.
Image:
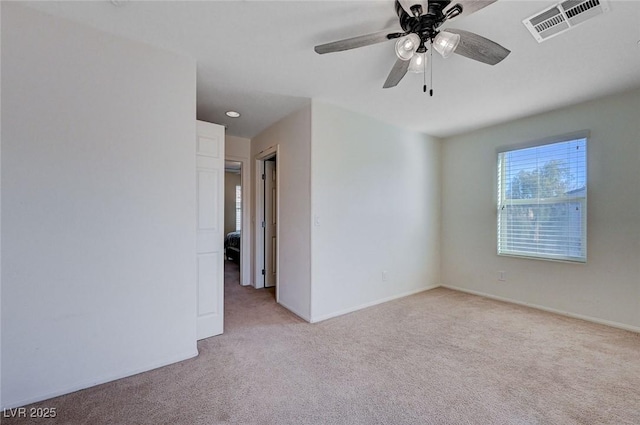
x=233 y=114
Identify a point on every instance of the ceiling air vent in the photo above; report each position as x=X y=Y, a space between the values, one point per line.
x=563 y=16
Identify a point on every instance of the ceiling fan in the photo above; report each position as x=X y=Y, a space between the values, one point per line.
x=420 y=22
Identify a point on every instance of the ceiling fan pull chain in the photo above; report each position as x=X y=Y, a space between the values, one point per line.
x=424 y=75
x=430 y=70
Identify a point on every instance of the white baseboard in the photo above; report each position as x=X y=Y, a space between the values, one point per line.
x=294 y=311
x=371 y=304
x=93 y=383
x=550 y=310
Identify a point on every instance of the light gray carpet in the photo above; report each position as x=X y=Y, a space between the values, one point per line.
x=439 y=357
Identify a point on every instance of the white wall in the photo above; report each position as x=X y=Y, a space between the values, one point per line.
x=237 y=147
x=376 y=207
x=607 y=287
x=98 y=198
x=1 y=403
x=293 y=135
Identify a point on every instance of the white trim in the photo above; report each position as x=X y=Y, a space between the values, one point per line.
x=502 y=202
x=258 y=239
x=372 y=303
x=527 y=256
x=270 y=152
x=294 y=311
x=549 y=140
x=98 y=381
x=548 y=309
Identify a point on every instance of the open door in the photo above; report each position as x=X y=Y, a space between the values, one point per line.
x=210 y=229
x=271 y=223
x=266 y=220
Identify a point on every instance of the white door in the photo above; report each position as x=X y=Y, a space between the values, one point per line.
x=210 y=231
x=270 y=231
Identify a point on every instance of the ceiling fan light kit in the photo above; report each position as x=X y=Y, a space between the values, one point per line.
x=407 y=46
x=420 y=22
x=446 y=43
x=418 y=63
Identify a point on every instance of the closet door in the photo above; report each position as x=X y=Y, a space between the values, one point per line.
x=210 y=229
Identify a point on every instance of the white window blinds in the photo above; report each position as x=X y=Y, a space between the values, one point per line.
x=238 y=208
x=542 y=201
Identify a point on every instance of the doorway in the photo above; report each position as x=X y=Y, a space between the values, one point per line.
x=270 y=222
x=238 y=213
x=233 y=211
x=267 y=220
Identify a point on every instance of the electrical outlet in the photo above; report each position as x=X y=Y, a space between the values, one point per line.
x=385 y=275
x=502 y=276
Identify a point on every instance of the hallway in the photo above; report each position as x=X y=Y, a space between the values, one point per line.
x=245 y=306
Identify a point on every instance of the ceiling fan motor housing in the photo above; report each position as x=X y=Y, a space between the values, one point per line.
x=424 y=25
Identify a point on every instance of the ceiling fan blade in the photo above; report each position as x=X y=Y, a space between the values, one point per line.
x=360 y=41
x=476 y=47
x=398 y=72
x=469 y=6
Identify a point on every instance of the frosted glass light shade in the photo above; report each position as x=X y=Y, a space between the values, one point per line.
x=418 y=62
x=445 y=43
x=406 y=46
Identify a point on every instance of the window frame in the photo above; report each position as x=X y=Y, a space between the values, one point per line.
x=501 y=188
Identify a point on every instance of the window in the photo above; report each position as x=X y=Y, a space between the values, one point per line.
x=542 y=201
x=238 y=207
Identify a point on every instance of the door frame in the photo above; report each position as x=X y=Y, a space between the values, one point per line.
x=245 y=231
x=259 y=209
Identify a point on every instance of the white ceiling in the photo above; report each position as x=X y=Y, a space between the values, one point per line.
x=257 y=57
